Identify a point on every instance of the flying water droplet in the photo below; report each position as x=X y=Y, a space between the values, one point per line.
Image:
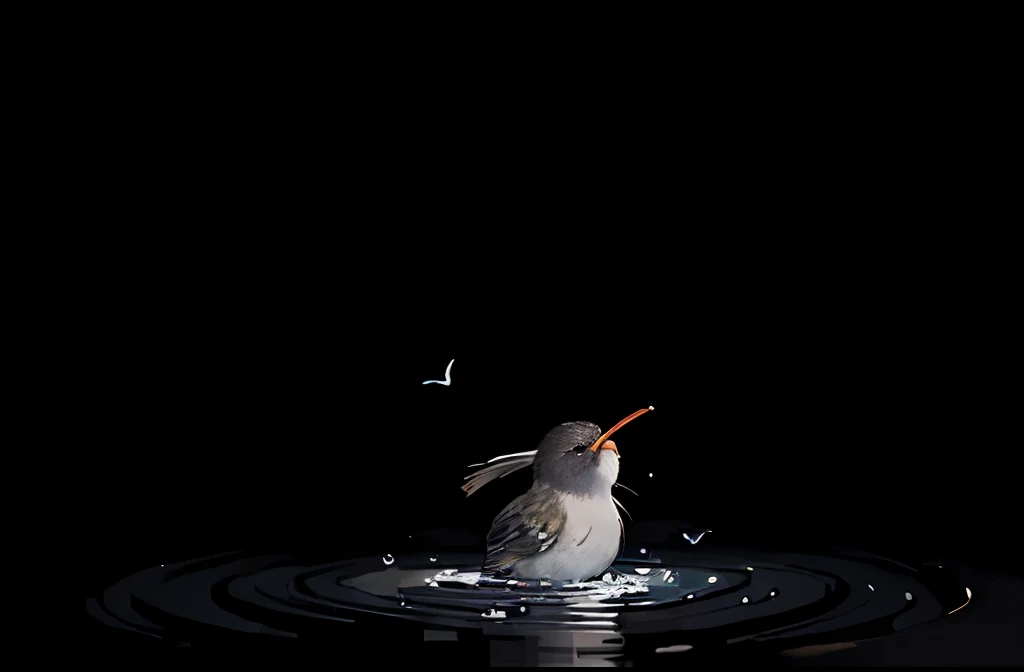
x=871 y=587
x=643 y=571
x=522 y=609
x=712 y=579
x=745 y=599
x=690 y=596
x=433 y=558
x=771 y=594
x=650 y=475
x=750 y=569
x=908 y=596
x=643 y=551
x=389 y=559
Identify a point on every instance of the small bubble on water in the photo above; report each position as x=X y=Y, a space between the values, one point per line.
x=745 y=599
x=389 y=559
x=712 y=579
x=908 y=596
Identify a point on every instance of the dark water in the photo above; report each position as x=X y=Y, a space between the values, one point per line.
x=663 y=600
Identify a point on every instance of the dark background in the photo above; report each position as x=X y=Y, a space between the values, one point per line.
x=859 y=413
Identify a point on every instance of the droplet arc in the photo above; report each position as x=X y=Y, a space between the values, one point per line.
x=388 y=559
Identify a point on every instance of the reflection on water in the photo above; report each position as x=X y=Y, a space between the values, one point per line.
x=677 y=599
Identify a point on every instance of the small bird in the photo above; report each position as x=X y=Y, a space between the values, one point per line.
x=566 y=526
x=447 y=376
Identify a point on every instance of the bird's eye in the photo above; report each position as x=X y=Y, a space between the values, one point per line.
x=578 y=449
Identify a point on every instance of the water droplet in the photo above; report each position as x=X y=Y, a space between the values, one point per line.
x=651 y=475
x=750 y=569
x=908 y=596
x=671 y=579
x=712 y=579
x=871 y=587
x=522 y=610
x=161 y=565
x=433 y=558
x=668 y=573
x=389 y=559
x=690 y=596
x=643 y=551
x=745 y=599
x=771 y=594
x=643 y=571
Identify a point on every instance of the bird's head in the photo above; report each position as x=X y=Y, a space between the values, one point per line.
x=576 y=457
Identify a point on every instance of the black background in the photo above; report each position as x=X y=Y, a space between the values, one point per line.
x=821 y=409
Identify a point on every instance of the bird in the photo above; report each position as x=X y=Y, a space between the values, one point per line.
x=566 y=526
x=447 y=376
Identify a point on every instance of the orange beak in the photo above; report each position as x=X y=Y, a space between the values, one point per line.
x=602 y=441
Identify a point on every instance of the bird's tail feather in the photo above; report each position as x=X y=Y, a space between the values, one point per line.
x=479 y=479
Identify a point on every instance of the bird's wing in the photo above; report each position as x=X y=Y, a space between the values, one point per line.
x=530 y=524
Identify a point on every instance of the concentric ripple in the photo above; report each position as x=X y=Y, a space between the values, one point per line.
x=671 y=601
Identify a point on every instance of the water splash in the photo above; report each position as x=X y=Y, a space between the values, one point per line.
x=611 y=585
x=389 y=559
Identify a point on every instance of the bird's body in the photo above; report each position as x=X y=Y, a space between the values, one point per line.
x=566 y=526
x=588 y=543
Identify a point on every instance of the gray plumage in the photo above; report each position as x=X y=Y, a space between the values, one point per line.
x=566 y=527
